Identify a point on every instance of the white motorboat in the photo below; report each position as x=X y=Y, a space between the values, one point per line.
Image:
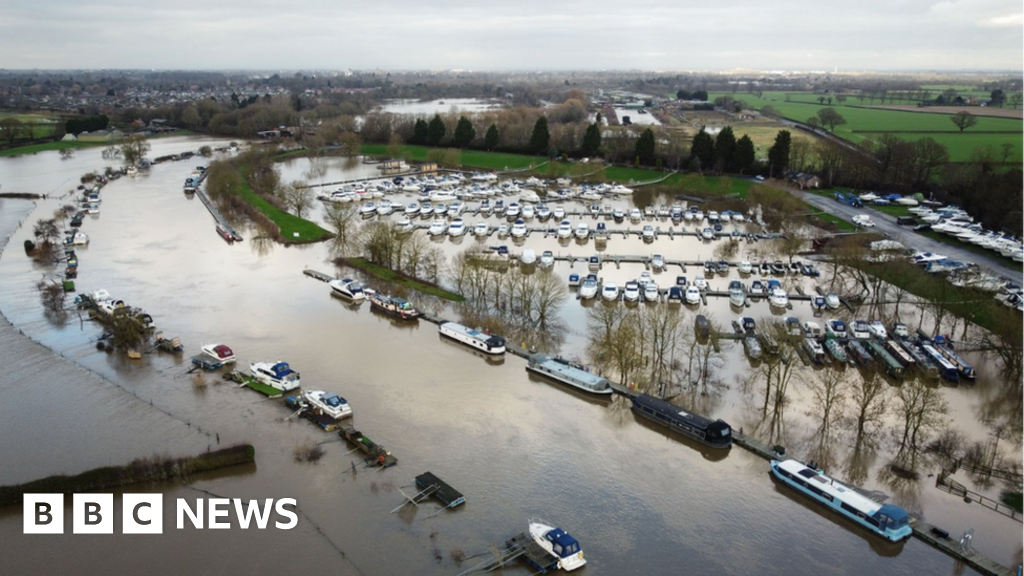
x=745 y=267
x=610 y=291
x=558 y=213
x=651 y=292
x=437 y=228
x=526 y=195
x=277 y=375
x=907 y=201
x=512 y=211
x=368 y=209
x=559 y=544
x=327 y=403
x=404 y=226
x=647 y=233
x=77 y=239
x=481 y=229
x=564 y=229
x=412 y=209
x=620 y=189
x=692 y=295
x=813 y=330
x=547 y=259
x=385 y=207
x=657 y=262
x=878 y=329
x=737 y=293
x=860 y=329
x=631 y=292
x=582 y=231
x=519 y=228
x=457 y=227
x=635 y=215
x=588 y=288
x=502 y=230
x=778 y=298
x=440 y=209
x=836 y=328
x=348 y=288
x=528 y=257
x=707 y=234
x=700 y=282
x=221 y=352
x=528 y=212
x=832 y=300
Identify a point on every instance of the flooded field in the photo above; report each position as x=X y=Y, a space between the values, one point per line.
x=639 y=500
x=420 y=107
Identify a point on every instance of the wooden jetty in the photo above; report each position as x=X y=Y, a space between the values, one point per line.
x=321 y=276
x=304 y=410
x=375 y=453
x=432 y=487
x=248 y=381
x=519 y=546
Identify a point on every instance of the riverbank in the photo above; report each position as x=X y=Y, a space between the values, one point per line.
x=153 y=469
x=399 y=278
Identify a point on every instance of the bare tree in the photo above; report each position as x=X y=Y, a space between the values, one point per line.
x=828 y=396
x=922 y=410
x=134 y=148
x=964 y=120
x=297 y=196
x=343 y=219
x=869 y=397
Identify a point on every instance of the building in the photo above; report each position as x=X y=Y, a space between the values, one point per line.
x=428 y=167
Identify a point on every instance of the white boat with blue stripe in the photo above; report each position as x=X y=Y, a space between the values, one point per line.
x=887 y=520
x=559 y=544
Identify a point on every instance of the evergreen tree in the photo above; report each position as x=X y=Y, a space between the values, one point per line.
x=591 y=140
x=778 y=154
x=744 y=157
x=491 y=139
x=541 y=138
x=725 y=148
x=419 y=132
x=464 y=133
x=703 y=148
x=644 y=150
x=435 y=130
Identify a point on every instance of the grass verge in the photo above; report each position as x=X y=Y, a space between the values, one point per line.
x=409 y=282
x=34 y=148
x=1013 y=499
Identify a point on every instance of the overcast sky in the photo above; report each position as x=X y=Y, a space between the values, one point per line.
x=514 y=34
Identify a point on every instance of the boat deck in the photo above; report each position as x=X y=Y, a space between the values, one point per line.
x=326 y=422
x=206 y=362
x=376 y=455
x=534 y=555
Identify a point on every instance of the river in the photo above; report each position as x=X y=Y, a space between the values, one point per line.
x=640 y=501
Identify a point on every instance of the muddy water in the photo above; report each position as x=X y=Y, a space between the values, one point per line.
x=641 y=502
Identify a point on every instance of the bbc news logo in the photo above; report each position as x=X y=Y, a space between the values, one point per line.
x=144 y=513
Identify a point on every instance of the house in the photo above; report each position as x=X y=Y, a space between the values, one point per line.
x=391 y=165
x=428 y=167
x=96 y=136
x=804 y=180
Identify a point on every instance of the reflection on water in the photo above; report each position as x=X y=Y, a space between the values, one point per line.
x=517 y=447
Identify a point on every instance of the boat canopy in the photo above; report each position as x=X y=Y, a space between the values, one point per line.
x=281 y=369
x=333 y=400
x=562 y=544
x=223 y=351
x=891 y=517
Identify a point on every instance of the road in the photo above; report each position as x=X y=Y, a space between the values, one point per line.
x=886 y=224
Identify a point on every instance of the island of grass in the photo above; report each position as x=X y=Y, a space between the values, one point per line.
x=399 y=278
x=48 y=146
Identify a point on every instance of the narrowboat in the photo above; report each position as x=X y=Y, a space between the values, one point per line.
x=487 y=343
x=887 y=520
x=393 y=306
x=568 y=373
x=713 y=433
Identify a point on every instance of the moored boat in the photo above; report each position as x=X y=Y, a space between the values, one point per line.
x=327 y=403
x=568 y=373
x=559 y=544
x=348 y=288
x=713 y=433
x=487 y=343
x=277 y=375
x=393 y=306
x=219 y=351
x=887 y=520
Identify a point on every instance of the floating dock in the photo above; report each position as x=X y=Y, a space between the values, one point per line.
x=376 y=455
x=250 y=382
x=305 y=411
x=205 y=362
x=432 y=487
x=519 y=546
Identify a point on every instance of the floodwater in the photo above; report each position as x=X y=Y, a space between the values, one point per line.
x=639 y=500
x=418 y=107
x=638 y=119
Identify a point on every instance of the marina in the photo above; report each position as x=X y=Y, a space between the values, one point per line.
x=309 y=313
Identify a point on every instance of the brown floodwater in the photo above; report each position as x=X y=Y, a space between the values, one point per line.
x=640 y=501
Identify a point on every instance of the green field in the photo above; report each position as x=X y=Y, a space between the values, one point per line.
x=865 y=123
x=34 y=148
x=293 y=229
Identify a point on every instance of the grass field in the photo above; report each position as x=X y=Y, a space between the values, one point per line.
x=34 y=148
x=293 y=229
x=871 y=122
